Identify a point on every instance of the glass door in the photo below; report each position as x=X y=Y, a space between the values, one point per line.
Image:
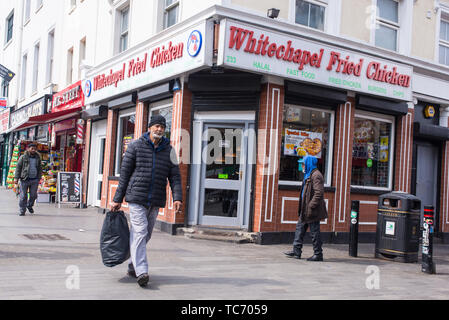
x=99 y=174
x=223 y=175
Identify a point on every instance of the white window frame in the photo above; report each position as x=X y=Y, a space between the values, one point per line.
x=50 y=57
x=387 y=23
x=23 y=79
x=122 y=114
x=39 y=5
x=440 y=41
x=387 y=119
x=11 y=15
x=321 y=3
x=81 y=55
x=27 y=12
x=328 y=178
x=36 y=57
x=69 y=75
x=125 y=32
x=177 y=3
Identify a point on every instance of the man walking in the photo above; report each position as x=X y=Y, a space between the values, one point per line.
x=146 y=166
x=312 y=209
x=28 y=173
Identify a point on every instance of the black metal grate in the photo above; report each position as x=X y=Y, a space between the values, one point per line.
x=48 y=237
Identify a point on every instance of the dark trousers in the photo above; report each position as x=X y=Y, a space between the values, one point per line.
x=28 y=186
x=301 y=229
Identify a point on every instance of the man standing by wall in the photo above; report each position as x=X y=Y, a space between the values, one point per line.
x=146 y=166
x=28 y=173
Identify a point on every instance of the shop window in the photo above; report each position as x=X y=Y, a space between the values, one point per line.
x=166 y=112
x=171 y=12
x=305 y=132
x=444 y=42
x=126 y=127
x=387 y=24
x=310 y=14
x=372 y=153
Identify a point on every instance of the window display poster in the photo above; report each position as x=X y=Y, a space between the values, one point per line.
x=384 y=142
x=293 y=114
x=126 y=141
x=302 y=143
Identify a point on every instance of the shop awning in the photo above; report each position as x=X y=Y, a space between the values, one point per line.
x=430 y=131
x=46 y=118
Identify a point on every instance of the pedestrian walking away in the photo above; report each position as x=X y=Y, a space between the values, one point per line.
x=27 y=176
x=312 y=209
x=146 y=167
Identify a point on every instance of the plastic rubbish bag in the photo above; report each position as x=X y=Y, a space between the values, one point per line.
x=114 y=240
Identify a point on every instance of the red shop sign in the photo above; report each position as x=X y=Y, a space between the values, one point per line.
x=65 y=125
x=69 y=98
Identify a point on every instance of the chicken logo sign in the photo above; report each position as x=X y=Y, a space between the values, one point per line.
x=194 y=43
x=88 y=88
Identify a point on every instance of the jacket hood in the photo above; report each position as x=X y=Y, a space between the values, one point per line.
x=310 y=163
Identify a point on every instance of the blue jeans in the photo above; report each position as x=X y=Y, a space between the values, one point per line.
x=142 y=224
x=28 y=186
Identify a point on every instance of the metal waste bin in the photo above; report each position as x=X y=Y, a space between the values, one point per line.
x=398 y=221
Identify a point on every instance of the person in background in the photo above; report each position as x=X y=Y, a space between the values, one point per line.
x=145 y=170
x=28 y=174
x=312 y=209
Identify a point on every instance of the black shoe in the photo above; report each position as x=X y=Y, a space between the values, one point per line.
x=292 y=254
x=132 y=273
x=316 y=258
x=143 y=280
x=21 y=214
x=31 y=210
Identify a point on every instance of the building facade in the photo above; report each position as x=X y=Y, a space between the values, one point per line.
x=362 y=85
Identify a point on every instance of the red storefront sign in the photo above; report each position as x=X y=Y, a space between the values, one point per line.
x=65 y=125
x=69 y=98
x=4 y=120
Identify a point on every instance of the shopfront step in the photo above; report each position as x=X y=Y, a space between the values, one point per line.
x=217 y=234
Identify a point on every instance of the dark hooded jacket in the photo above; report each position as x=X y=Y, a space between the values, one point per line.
x=312 y=207
x=23 y=166
x=145 y=171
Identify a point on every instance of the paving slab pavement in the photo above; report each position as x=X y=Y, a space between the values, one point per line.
x=189 y=269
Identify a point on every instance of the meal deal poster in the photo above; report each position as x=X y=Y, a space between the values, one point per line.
x=302 y=143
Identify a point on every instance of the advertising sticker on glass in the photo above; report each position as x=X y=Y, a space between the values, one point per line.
x=303 y=143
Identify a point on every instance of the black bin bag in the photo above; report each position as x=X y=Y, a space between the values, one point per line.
x=114 y=240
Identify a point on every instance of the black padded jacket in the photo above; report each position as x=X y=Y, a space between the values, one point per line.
x=144 y=173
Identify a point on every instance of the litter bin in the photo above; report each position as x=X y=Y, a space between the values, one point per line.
x=398 y=221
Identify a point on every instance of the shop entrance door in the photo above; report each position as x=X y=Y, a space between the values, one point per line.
x=99 y=173
x=225 y=173
x=427 y=156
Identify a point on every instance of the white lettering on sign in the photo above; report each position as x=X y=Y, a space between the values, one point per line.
x=22 y=115
x=261 y=50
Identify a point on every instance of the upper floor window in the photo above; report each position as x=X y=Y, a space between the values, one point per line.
x=444 y=42
x=38 y=4
x=124 y=29
x=310 y=14
x=171 y=12
x=9 y=27
x=27 y=10
x=387 y=24
x=5 y=89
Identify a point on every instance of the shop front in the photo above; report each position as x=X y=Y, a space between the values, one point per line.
x=4 y=145
x=244 y=108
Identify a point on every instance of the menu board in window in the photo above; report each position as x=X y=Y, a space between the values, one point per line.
x=302 y=143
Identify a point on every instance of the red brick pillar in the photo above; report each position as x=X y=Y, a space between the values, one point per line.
x=180 y=141
x=266 y=215
x=141 y=120
x=404 y=152
x=111 y=138
x=86 y=155
x=339 y=214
